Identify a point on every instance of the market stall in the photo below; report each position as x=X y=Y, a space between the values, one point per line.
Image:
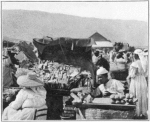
x=63 y=60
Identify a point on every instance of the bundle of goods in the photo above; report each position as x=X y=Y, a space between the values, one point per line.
x=127 y=99
x=69 y=113
x=9 y=94
x=61 y=76
x=81 y=95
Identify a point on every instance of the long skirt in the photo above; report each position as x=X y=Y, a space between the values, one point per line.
x=138 y=88
x=24 y=114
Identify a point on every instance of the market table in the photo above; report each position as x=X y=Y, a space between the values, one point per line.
x=97 y=111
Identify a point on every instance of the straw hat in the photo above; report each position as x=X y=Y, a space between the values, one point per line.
x=29 y=80
x=101 y=71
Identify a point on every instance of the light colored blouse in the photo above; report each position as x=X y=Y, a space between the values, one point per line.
x=136 y=69
x=114 y=86
x=30 y=98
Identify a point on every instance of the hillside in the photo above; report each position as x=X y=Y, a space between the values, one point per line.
x=26 y=25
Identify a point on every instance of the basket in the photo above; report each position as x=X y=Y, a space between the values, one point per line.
x=97 y=114
x=119 y=74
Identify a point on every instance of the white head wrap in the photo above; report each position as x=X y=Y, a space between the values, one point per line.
x=101 y=71
x=140 y=53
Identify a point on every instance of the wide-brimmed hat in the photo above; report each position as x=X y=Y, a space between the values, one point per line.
x=29 y=80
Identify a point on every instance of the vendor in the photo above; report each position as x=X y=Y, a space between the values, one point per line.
x=107 y=86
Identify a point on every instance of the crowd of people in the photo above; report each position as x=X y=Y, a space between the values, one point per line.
x=33 y=94
x=137 y=65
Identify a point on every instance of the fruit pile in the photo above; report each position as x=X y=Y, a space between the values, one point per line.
x=61 y=76
x=52 y=72
x=127 y=99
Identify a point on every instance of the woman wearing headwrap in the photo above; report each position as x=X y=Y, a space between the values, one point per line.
x=138 y=85
x=30 y=98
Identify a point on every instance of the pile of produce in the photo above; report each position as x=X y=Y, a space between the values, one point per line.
x=127 y=99
x=52 y=72
x=61 y=76
x=81 y=95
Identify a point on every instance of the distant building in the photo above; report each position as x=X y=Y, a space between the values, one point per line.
x=100 y=40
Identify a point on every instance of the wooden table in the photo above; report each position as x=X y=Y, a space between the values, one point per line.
x=97 y=111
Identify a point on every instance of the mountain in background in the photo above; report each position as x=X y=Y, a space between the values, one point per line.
x=26 y=25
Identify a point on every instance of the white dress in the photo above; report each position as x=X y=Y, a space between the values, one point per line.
x=138 y=87
x=25 y=104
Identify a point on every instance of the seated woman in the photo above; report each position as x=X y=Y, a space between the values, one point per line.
x=107 y=86
x=28 y=100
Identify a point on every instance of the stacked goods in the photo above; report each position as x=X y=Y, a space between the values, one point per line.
x=60 y=76
x=68 y=113
x=130 y=99
x=127 y=99
x=81 y=95
x=53 y=72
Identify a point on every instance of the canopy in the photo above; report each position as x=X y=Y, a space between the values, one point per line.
x=63 y=41
x=103 y=44
x=69 y=51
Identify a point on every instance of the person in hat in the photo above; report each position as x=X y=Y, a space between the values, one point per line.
x=121 y=60
x=30 y=97
x=106 y=86
x=138 y=85
x=95 y=56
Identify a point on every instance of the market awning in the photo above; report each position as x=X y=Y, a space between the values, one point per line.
x=67 y=42
x=76 y=52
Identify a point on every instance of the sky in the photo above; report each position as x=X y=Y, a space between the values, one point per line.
x=104 y=10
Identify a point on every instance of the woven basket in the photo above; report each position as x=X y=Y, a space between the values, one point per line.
x=119 y=75
x=97 y=114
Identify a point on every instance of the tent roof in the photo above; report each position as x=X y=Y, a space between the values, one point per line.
x=41 y=43
x=84 y=42
x=103 y=44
